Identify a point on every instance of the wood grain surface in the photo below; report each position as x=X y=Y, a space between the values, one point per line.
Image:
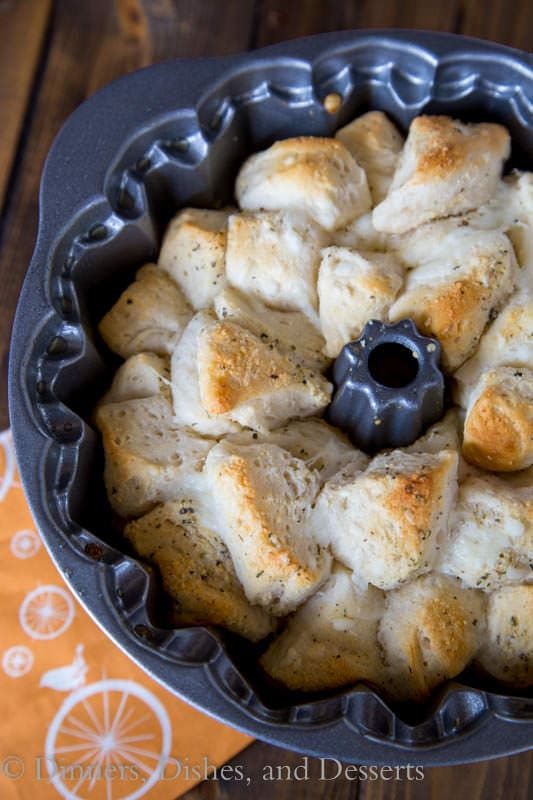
x=18 y=65
x=55 y=54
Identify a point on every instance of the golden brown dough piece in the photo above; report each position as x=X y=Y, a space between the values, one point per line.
x=263 y=496
x=508 y=341
x=498 y=432
x=453 y=299
x=290 y=332
x=507 y=651
x=331 y=641
x=446 y=167
x=387 y=522
x=430 y=631
x=248 y=380
x=196 y=570
x=188 y=408
x=148 y=316
x=314 y=174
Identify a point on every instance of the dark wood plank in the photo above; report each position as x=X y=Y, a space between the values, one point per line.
x=278 y=20
x=512 y=777
x=74 y=39
x=503 y=777
x=91 y=43
x=499 y=20
x=155 y=30
x=20 y=47
x=417 y=14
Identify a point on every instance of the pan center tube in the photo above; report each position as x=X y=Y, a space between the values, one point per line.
x=388 y=386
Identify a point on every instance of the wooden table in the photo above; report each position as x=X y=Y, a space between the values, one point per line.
x=55 y=54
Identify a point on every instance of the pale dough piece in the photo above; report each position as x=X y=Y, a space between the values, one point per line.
x=443 y=435
x=274 y=256
x=491 y=533
x=508 y=211
x=361 y=234
x=193 y=253
x=150 y=315
x=354 y=287
x=331 y=641
x=142 y=375
x=376 y=144
x=148 y=458
x=431 y=629
x=507 y=652
x=313 y=441
x=519 y=225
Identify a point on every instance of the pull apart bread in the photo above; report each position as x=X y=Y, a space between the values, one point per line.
x=430 y=630
x=453 y=293
x=353 y=287
x=398 y=568
x=332 y=639
x=235 y=378
x=196 y=568
x=274 y=256
x=490 y=542
x=264 y=496
x=495 y=387
x=386 y=520
x=498 y=432
x=445 y=169
x=316 y=175
x=320 y=446
x=149 y=458
x=193 y=254
x=376 y=145
x=149 y=316
x=507 y=650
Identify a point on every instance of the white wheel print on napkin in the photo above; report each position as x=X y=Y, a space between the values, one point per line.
x=7 y=477
x=46 y=612
x=25 y=544
x=107 y=739
x=17 y=661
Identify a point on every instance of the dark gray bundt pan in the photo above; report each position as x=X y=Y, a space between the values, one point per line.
x=167 y=136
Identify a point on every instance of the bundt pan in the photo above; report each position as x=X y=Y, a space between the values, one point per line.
x=169 y=136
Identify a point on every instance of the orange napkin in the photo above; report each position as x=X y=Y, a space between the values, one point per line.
x=77 y=718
